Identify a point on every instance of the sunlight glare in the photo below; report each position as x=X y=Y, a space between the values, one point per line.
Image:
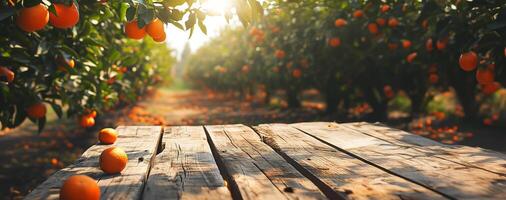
x=216 y=7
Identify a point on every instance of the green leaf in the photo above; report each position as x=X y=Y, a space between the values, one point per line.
x=190 y=22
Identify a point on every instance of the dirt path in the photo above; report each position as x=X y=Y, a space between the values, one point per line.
x=29 y=158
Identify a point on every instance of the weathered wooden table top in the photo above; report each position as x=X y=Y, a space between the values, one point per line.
x=288 y=161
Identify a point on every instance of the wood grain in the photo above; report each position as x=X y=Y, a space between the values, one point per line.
x=257 y=170
x=140 y=144
x=422 y=166
x=347 y=176
x=469 y=156
x=186 y=168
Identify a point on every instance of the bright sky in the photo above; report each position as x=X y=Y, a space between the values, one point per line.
x=177 y=38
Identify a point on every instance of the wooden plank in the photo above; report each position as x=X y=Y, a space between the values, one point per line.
x=347 y=176
x=423 y=167
x=470 y=156
x=140 y=144
x=186 y=168
x=256 y=169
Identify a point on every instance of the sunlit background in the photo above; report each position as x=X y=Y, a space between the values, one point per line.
x=177 y=38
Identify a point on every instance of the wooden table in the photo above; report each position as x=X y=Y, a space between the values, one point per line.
x=288 y=161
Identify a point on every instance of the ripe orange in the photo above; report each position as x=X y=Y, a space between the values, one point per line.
x=484 y=76
x=334 y=42
x=86 y=121
x=393 y=22
x=113 y=160
x=385 y=8
x=340 y=22
x=93 y=114
x=279 y=54
x=80 y=187
x=297 y=73
x=411 y=57
x=37 y=110
x=133 y=31
x=32 y=18
x=392 y=46
x=68 y=16
x=155 y=29
x=433 y=78
x=389 y=92
x=468 y=61
x=381 y=21
x=66 y=63
x=9 y=75
x=107 y=136
x=406 y=44
x=490 y=88
x=429 y=45
x=161 y=39
x=441 y=44
x=358 y=14
x=373 y=28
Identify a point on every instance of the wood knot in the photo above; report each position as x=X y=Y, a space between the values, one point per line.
x=288 y=189
x=141 y=159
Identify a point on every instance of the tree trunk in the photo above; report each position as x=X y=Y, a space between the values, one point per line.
x=465 y=86
x=292 y=98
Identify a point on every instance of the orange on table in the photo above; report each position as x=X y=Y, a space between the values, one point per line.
x=66 y=16
x=32 y=18
x=80 y=187
x=133 y=31
x=107 y=136
x=113 y=160
x=37 y=110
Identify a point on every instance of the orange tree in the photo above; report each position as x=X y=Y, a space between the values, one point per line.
x=366 y=51
x=76 y=56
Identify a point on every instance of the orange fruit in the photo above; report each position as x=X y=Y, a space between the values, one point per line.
x=468 y=61
x=9 y=75
x=67 y=16
x=37 y=110
x=358 y=14
x=279 y=54
x=133 y=31
x=441 y=44
x=385 y=8
x=80 y=187
x=411 y=57
x=340 y=22
x=160 y=39
x=86 y=121
x=107 y=136
x=406 y=44
x=389 y=92
x=429 y=45
x=373 y=28
x=433 y=78
x=64 y=64
x=381 y=21
x=484 y=76
x=297 y=73
x=393 y=22
x=392 y=46
x=155 y=29
x=490 y=88
x=335 y=42
x=32 y=18
x=113 y=160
